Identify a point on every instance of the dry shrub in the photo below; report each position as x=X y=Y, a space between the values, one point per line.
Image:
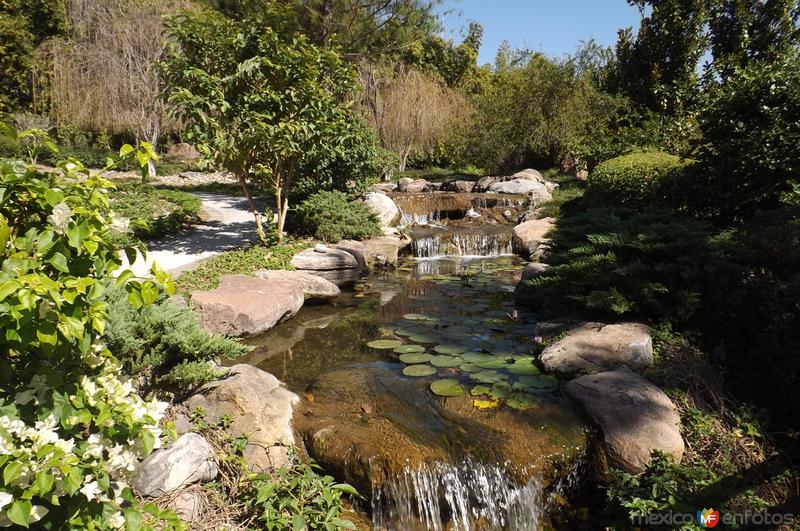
x=410 y=110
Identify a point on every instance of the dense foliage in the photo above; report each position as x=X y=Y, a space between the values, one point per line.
x=267 y=106
x=640 y=179
x=615 y=262
x=164 y=345
x=333 y=216
x=70 y=423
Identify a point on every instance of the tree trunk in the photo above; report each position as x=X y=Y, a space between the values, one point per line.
x=284 y=208
x=254 y=209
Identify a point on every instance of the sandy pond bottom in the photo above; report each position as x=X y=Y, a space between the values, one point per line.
x=420 y=389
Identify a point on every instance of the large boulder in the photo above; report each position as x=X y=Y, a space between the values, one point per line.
x=536 y=190
x=258 y=406
x=458 y=185
x=529 y=174
x=335 y=265
x=383 y=187
x=484 y=183
x=383 y=251
x=383 y=206
x=530 y=235
x=636 y=417
x=592 y=347
x=188 y=460
x=414 y=186
x=246 y=306
x=314 y=287
x=357 y=249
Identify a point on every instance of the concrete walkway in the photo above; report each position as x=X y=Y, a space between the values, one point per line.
x=227 y=223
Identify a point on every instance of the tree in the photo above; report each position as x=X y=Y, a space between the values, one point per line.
x=657 y=67
x=745 y=30
x=105 y=73
x=409 y=110
x=270 y=108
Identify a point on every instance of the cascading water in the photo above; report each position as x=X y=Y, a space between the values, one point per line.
x=463 y=497
x=464 y=244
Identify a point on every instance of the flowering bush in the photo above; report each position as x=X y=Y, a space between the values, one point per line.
x=70 y=427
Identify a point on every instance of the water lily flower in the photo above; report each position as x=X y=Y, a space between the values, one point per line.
x=538 y=339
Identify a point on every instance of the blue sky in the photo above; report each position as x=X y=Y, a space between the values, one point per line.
x=554 y=27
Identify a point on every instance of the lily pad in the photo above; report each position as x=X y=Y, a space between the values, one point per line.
x=500 y=390
x=418 y=371
x=445 y=361
x=406 y=331
x=523 y=369
x=479 y=390
x=450 y=350
x=423 y=338
x=477 y=357
x=384 y=344
x=416 y=317
x=448 y=387
x=542 y=381
x=415 y=357
x=520 y=401
x=487 y=376
x=469 y=367
x=409 y=349
x=493 y=364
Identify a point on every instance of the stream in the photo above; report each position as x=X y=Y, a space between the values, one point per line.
x=419 y=386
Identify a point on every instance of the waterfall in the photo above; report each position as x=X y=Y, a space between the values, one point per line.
x=462 y=244
x=462 y=497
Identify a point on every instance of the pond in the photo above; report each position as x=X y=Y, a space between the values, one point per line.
x=420 y=387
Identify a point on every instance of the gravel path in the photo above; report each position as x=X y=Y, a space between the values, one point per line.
x=227 y=224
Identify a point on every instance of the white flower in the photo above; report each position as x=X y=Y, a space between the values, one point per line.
x=66 y=446
x=116 y=521
x=37 y=513
x=5 y=499
x=120 y=225
x=94 y=449
x=60 y=217
x=91 y=489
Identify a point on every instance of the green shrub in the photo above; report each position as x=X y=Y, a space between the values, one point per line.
x=164 y=344
x=239 y=262
x=619 y=262
x=639 y=179
x=162 y=211
x=333 y=216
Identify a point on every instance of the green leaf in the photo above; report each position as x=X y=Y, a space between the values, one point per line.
x=148 y=441
x=348 y=489
x=59 y=261
x=133 y=520
x=298 y=523
x=53 y=197
x=125 y=150
x=44 y=482
x=149 y=292
x=20 y=512
x=12 y=471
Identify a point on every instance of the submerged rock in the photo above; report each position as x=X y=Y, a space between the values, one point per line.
x=409 y=428
x=531 y=235
x=636 y=417
x=592 y=347
x=335 y=265
x=188 y=460
x=259 y=406
x=246 y=306
x=314 y=287
x=384 y=208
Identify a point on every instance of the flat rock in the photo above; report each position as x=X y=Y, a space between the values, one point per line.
x=484 y=183
x=382 y=251
x=636 y=417
x=314 y=287
x=592 y=347
x=522 y=187
x=412 y=186
x=358 y=250
x=334 y=265
x=530 y=235
x=188 y=460
x=383 y=206
x=246 y=306
x=458 y=185
x=529 y=174
x=259 y=406
x=383 y=187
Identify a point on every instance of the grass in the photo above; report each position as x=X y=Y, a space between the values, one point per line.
x=162 y=211
x=569 y=189
x=239 y=262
